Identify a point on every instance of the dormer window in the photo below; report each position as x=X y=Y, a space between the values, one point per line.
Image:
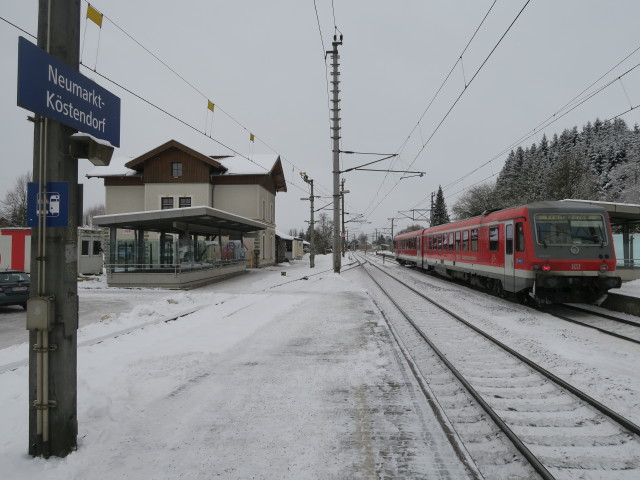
x=176 y=169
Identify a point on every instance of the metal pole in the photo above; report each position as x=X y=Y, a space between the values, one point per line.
x=312 y=223
x=335 y=135
x=53 y=424
x=342 y=229
x=312 y=247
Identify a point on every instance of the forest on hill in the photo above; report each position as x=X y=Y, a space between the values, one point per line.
x=601 y=162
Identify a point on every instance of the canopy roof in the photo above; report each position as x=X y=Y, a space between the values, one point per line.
x=619 y=213
x=197 y=220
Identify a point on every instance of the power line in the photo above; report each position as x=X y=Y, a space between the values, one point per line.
x=21 y=29
x=575 y=103
x=194 y=88
x=455 y=102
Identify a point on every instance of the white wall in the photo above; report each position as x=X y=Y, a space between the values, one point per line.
x=124 y=199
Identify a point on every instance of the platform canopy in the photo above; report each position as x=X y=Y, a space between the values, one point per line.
x=196 y=220
x=619 y=213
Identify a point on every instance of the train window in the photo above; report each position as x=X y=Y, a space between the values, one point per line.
x=519 y=237
x=458 y=236
x=465 y=241
x=493 y=239
x=439 y=241
x=508 y=239
x=450 y=241
x=562 y=229
x=474 y=240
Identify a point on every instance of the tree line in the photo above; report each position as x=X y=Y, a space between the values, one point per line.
x=600 y=162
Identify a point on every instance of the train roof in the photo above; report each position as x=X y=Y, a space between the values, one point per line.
x=544 y=206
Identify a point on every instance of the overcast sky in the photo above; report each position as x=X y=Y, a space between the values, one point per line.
x=263 y=64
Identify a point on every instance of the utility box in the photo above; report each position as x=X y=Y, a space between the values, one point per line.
x=40 y=313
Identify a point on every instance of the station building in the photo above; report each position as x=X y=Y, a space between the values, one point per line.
x=175 y=210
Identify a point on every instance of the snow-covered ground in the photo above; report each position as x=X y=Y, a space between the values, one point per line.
x=285 y=372
x=270 y=376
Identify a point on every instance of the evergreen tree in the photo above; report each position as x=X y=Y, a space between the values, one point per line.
x=439 y=215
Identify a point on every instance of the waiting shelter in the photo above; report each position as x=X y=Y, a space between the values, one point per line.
x=175 y=248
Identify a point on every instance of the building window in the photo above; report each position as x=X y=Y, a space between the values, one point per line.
x=176 y=169
x=166 y=203
x=184 y=202
x=97 y=247
x=264 y=210
x=85 y=247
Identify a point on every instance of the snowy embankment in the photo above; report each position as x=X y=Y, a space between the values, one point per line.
x=269 y=376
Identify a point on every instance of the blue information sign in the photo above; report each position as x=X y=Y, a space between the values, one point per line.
x=53 y=89
x=54 y=204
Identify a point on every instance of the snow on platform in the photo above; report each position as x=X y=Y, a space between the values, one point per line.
x=274 y=377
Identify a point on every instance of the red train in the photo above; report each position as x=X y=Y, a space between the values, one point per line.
x=551 y=251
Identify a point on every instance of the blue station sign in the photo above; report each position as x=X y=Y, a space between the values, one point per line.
x=53 y=205
x=51 y=88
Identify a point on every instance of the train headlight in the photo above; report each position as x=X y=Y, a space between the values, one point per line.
x=604 y=268
x=546 y=267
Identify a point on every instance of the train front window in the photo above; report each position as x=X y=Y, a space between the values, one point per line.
x=570 y=229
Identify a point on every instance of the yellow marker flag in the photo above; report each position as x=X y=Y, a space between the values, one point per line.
x=94 y=15
x=251 y=137
x=210 y=105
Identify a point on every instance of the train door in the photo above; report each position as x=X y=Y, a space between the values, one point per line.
x=509 y=266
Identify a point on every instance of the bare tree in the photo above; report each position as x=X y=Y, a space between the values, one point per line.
x=13 y=208
x=91 y=212
x=477 y=199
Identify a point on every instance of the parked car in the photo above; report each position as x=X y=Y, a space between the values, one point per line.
x=14 y=288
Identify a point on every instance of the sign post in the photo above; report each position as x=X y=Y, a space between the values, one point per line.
x=64 y=102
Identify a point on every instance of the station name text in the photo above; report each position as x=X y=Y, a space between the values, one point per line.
x=62 y=105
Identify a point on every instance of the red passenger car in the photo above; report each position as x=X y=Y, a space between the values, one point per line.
x=551 y=251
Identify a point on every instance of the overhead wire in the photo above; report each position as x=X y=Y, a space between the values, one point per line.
x=417 y=125
x=203 y=95
x=373 y=208
x=526 y=136
x=574 y=103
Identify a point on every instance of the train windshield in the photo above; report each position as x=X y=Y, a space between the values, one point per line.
x=570 y=229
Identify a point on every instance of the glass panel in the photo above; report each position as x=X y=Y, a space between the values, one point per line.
x=519 y=237
x=570 y=229
x=474 y=240
x=166 y=202
x=508 y=238
x=493 y=239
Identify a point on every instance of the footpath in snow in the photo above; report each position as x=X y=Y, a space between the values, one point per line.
x=271 y=377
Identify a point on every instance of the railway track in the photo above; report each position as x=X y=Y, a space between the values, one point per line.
x=604 y=323
x=560 y=430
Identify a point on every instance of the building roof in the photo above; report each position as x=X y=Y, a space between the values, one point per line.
x=197 y=220
x=227 y=165
x=138 y=163
x=116 y=168
x=284 y=236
